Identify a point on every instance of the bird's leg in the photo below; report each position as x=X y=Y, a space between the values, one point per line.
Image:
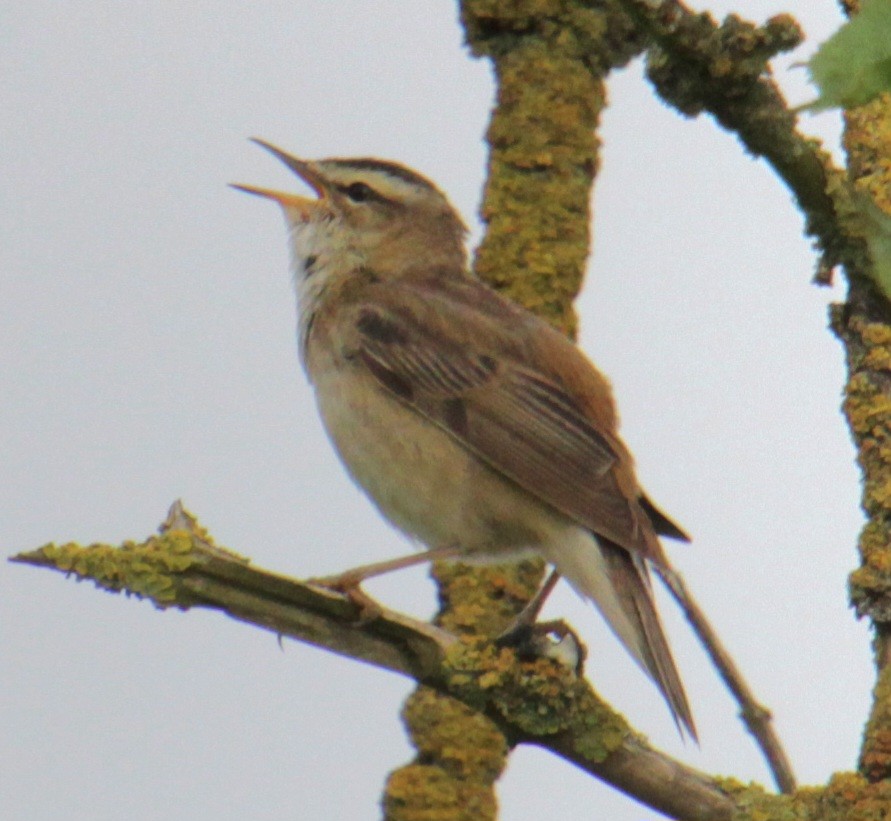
x=550 y=639
x=351 y=579
x=520 y=629
x=348 y=582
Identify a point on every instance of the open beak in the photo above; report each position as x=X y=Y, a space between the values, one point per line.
x=303 y=205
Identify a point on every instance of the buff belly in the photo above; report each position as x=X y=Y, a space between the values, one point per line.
x=423 y=480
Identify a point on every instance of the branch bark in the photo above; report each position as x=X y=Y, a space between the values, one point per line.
x=863 y=324
x=540 y=702
x=551 y=61
x=690 y=68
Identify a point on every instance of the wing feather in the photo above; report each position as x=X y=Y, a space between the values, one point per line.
x=515 y=416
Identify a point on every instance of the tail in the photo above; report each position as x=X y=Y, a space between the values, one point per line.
x=618 y=582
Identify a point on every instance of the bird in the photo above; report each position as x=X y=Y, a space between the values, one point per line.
x=476 y=428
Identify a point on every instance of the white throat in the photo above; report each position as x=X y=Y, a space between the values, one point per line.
x=320 y=253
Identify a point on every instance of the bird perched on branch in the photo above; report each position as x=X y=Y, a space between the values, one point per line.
x=474 y=426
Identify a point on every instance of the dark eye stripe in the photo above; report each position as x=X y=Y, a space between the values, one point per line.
x=359 y=192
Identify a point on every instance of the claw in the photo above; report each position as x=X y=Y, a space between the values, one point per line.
x=555 y=640
x=348 y=585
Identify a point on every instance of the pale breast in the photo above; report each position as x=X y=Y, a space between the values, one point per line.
x=420 y=477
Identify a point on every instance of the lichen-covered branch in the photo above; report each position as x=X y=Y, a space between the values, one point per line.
x=476 y=701
x=183 y=568
x=550 y=58
x=499 y=700
x=490 y=694
x=697 y=65
x=863 y=323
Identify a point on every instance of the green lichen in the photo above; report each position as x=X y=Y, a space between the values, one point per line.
x=535 y=699
x=147 y=570
x=754 y=804
x=425 y=792
x=461 y=741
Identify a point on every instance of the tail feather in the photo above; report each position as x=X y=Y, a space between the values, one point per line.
x=631 y=576
x=619 y=584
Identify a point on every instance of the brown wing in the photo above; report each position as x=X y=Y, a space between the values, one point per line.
x=476 y=376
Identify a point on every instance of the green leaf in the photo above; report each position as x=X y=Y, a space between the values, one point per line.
x=875 y=227
x=854 y=65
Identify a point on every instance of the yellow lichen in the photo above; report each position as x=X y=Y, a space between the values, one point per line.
x=460 y=740
x=868 y=142
x=537 y=697
x=147 y=570
x=463 y=753
x=875 y=757
x=847 y=797
x=541 y=167
x=423 y=792
x=484 y=599
x=876 y=333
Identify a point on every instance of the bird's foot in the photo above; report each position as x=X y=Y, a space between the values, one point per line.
x=348 y=584
x=555 y=640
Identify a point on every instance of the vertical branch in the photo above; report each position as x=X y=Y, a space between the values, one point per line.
x=863 y=323
x=550 y=59
x=460 y=754
x=543 y=146
x=541 y=169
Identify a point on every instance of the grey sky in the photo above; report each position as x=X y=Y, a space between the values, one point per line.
x=148 y=353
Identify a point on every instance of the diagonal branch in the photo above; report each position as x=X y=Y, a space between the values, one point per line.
x=757 y=718
x=539 y=702
x=697 y=65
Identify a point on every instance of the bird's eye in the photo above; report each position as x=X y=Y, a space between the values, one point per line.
x=359 y=192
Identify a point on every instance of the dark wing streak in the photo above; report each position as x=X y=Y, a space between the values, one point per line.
x=546 y=415
x=428 y=370
x=555 y=406
x=535 y=432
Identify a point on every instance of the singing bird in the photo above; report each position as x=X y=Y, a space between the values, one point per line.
x=476 y=428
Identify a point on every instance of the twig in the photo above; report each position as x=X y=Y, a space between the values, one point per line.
x=756 y=717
